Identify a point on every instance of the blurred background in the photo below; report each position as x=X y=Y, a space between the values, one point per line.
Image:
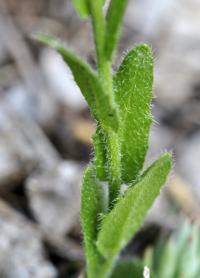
x=45 y=129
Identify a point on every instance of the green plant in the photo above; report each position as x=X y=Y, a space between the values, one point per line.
x=129 y=268
x=120 y=103
x=179 y=257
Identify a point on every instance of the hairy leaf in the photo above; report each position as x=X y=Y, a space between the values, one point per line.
x=107 y=160
x=92 y=205
x=127 y=268
x=88 y=82
x=126 y=217
x=113 y=20
x=133 y=91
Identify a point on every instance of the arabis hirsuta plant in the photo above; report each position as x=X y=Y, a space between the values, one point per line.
x=120 y=104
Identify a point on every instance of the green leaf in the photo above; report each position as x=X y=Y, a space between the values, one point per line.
x=81 y=7
x=93 y=204
x=114 y=18
x=157 y=255
x=179 y=256
x=191 y=256
x=87 y=80
x=133 y=92
x=127 y=268
x=98 y=24
x=107 y=160
x=129 y=212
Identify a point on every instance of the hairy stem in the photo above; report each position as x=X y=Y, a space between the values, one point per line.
x=114 y=164
x=105 y=76
x=106 y=268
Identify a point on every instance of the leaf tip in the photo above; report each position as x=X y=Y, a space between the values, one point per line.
x=168 y=157
x=81 y=7
x=45 y=39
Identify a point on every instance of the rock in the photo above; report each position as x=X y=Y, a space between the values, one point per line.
x=3 y=54
x=11 y=170
x=161 y=139
x=40 y=106
x=83 y=130
x=65 y=247
x=143 y=16
x=172 y=28
x=15 y=162
x=27 y=7
x=24 y=138
x=23 y=146
x=188 y=162
x=62 y=84
x=21 y=251
x=161 y=212
x=55 y=197
x=181 y=193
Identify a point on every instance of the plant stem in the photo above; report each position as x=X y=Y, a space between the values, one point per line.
x=114 y=164
x=105 y=76
x=99 y=143
x=99 y=27
x=106 y=268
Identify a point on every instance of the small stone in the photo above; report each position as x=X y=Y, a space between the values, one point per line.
x=62 y=84
x=188 y=162
x=21 y=251
x=55 y=197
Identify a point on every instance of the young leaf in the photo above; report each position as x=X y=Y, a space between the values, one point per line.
x=98 y=24
x=81 y=7
x=93 y=204
x=133 y=92
x=128 y=214
x=127 y=268
x=114 y=17
x=88 y=82
x=107 y=160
